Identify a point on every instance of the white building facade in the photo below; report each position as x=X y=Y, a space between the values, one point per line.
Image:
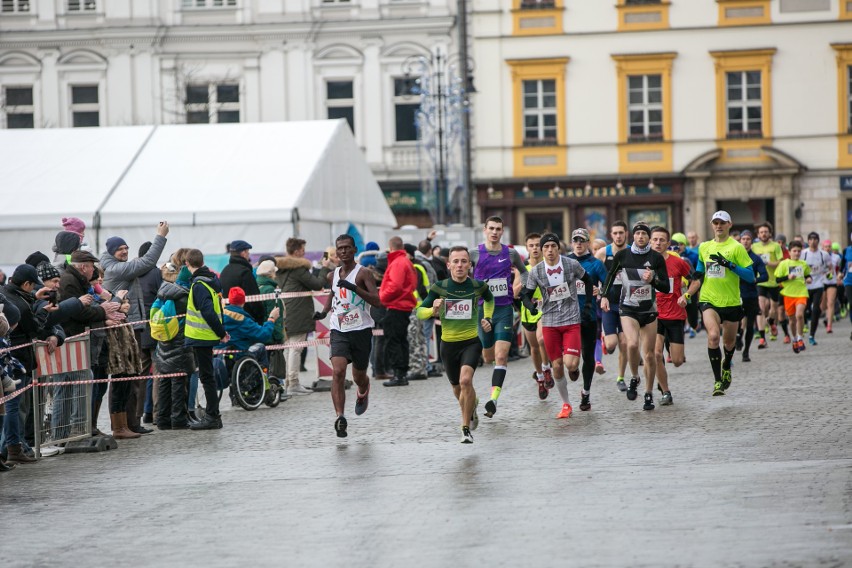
x=665 y=110
x=76 y=63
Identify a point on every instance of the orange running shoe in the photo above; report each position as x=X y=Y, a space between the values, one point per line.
x=566 y=411
x=787 y=339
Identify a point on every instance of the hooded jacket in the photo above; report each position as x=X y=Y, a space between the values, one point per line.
x=72 y=284
x=239 y=272
x=244 y=331
x=204 y=304
x=294 y=275
x=399 y=283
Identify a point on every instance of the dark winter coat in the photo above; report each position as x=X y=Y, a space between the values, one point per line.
x=294 y=275
x=72 y=284
x=31 y=326
x=204 y=304
x=239 y=273
x=173 y=356
x=149 y=285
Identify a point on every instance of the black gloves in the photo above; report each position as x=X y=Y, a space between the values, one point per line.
x=346 y=284
x=722 y=261
x=527 y=301
x=320 y=315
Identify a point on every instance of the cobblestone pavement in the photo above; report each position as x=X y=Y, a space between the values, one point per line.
x=760 y=477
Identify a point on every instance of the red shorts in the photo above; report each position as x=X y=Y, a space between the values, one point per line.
x=562 y=340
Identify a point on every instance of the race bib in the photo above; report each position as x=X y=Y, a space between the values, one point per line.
x=499 y=287
x=671 y=286
x=581 y=288
x=765 y=257
x=349 y=320
x=640 y=293
x=558 y=293
x=458 y=309
x=797 y=271
x=715 y=271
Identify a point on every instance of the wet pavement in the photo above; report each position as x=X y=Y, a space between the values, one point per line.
x=760 y=477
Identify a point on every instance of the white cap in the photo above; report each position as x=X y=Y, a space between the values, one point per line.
x=722 y=215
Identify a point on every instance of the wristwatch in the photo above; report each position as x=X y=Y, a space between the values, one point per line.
x=687 y=295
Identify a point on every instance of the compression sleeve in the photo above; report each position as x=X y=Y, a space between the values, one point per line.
x=424 y=312
x=744 y=272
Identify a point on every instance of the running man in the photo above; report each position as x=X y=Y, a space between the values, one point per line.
x=543 y=374
x=589 y=333
x=831 y=278
x=722 y=263
x=750 y=296
x=560 y=321
x=610 y=320
x=671 y=311
x=794 y=274
x=820 y=263
x=641 y=271
x=455 y=301
x=493 y=264
x=352 y=289
x=771 y=310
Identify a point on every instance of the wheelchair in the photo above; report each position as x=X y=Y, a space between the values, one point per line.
x=249 y=384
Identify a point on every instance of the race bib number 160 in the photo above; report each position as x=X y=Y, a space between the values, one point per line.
x=458 y=309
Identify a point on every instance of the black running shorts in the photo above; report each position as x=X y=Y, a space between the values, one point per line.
x=671 y=330
x=731 y=313
x=456 y=354
x=355 y=346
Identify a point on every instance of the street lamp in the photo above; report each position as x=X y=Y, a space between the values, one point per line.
x=441 y=132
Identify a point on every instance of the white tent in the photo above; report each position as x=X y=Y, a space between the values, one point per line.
x=260 y=182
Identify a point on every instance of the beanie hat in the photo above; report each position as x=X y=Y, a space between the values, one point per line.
x=410 y=248
x=266 y=268
x=641 y=226
x=236 y=296
x=47 y=271
x=113 y=243
x=143 y=250
x=549 y=238
x=74 y=225
x=12 y=313
x=372 y=245
x=37 y=258
x=66 y=242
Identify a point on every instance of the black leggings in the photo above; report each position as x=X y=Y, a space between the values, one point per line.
x=814 y=301
x=588 y=336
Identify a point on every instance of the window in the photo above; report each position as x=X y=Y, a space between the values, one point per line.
x=645 y=107
x=537 y=4
x=340 y=101
x=539 y=112
x=635 y=15
x=15 y=6
x=213 y=103
x=406 y=102
x=744 y=104
x=82 y=5
x=18 y=107
x=208 y=3
x=85 y=110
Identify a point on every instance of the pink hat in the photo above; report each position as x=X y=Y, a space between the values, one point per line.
x=74 y=225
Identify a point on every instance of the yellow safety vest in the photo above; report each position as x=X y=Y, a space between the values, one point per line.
x=196 y=325
x=425 y=283
x=525 y=313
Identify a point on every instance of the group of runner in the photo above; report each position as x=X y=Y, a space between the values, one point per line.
x=635 y=296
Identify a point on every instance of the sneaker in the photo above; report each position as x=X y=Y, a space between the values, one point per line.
x=773 y=331
x=542 y=390
x=811 y=340
x=207 y=423
x=666 y=399
x=585 y=403
x=619 y=382
x=726 y=379
x=631 y=390
x=565 y=412
x=746 y=358
x=574 y=375
x=298 y=390
x=548 y=378
x=474 y=419
x=718 y=390
x=340 y=427
x=490 y=408
x=761 y=343
x=599 y=368
x=48 y=451
x=801 y=345
x=795 y=347
x=805 y=329
x=739 y=343
x=787 y=339
x=692 y=334
x=649 y=401
x=466 y=438
x=361 y=402
x=828 y=328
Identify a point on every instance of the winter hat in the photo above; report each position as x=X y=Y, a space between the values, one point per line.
x=113 y=243
x=372 y=245
x=549 y=238
x=74 y=225
x=410 y=248
x=12 y=313
x=266 y=268
x=37 y=258
x=184 y=276
x=746 y=233
x=26 y=273
x=641 y=226
x=66 y=242
x=236 y=296
x=47 y=271
x=143 y=250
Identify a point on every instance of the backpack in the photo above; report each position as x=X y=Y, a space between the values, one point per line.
x=165 y=325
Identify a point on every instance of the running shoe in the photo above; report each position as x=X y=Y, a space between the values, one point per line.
x=619 y=382
x=828 y=328
x=548 y=378
x=805 y=329
x=466 y=438
x=542 y=390
x=773 y=330
x=490 y=408
x=726 y=379
x=787 y=339
x=599 y=368
x=649 y=401
x=574 y=375
x=761 y=343
x=801 y=345
x=565 y=412
x=340 y=427
x=746 y=358
x=474 y=420
x=811 y=340
x=361 y=402
x=585 y=402
x=692 y=333
x=718 y=390
x=631 y=390
x=739 y=343
x=666 y=399
x=795 y=347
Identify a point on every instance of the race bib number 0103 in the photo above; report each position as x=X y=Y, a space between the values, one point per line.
x=458 y=309
x=499 y=287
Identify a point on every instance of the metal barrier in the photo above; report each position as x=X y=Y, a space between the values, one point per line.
x=62 y=393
